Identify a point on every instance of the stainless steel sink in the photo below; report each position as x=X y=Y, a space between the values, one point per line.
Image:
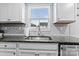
x=39 y=38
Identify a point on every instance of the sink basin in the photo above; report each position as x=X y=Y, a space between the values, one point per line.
x=39 y=38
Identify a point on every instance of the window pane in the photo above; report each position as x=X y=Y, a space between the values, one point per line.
x=43 y=23
x=39 y=13
x=34 y=22
x=39 y=17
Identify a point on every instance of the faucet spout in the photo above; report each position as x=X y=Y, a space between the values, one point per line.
x=38 y=30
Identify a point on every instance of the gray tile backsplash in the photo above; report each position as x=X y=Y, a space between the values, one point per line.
x=13 y=28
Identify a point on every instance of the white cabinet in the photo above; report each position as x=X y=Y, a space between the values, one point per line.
x=3 y=11
x=50 y=46
x=12 y=12
x=37 y=53
x=27 y=52
x=16 y=11
x=7 y=49
x=28 y=49
x=48 y=53
x=38 y=49
x=65 y=12
x=7 y=52
x=6 y=45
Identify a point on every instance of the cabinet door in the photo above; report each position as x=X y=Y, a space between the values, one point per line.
x=65 y=11
x=16 y=11
x=48 y=53
x=7 y=49
x=49 y=46
x=38 y=49
x=27 y=53
x=3 y=11
x=7 y=45
x=68 y=50
x=12 y=12
x=7 y=52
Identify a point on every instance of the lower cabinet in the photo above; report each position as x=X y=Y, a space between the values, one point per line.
x=38 y=49
x=7 y=49
x=47 y=53
x=27 y=53
x=7 y=53
x=37 y=53
x=28 y=49
x=69 y=50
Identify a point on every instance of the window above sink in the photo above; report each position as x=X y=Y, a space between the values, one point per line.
x=39 y=15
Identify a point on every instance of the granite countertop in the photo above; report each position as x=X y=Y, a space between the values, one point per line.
x=55 y=39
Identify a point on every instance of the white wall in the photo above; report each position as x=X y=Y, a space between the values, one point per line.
x=74 y=27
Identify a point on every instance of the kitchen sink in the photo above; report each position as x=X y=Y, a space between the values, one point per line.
x=39 y=38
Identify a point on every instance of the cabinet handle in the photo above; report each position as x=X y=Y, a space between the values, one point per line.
x=63 y=48
x=36 y=54
x=77 y=14
x=14 y=53
x=5 y=45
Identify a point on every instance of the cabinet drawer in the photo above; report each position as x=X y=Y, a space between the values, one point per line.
x=52 y=46
x=7 y=45
x=27 y=52
x=71 y=46
x=8 y=50
x=48 y=53
x=71 y=53
x=7 y=53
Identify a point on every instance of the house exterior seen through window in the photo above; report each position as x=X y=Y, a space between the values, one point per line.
x=39 y=16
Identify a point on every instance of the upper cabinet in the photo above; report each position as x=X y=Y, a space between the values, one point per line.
x=65 y=13
x=12 y=12
x=15 y=12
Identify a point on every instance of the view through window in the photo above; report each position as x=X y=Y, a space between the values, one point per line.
x=39 y=17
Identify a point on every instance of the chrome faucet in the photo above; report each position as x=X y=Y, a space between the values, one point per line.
x=38 y=30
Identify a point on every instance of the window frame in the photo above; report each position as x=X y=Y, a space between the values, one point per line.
x=39 y=5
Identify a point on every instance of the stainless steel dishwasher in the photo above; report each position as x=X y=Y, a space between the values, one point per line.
x=69 y=50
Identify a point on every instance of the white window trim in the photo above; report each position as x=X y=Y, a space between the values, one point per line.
x=39 y=5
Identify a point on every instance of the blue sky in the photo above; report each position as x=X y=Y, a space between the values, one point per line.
x=39 y=12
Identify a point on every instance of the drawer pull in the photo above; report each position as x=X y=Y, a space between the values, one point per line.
x=5 y=45
x=63 y=48
x=36 y=54
x=14 y=53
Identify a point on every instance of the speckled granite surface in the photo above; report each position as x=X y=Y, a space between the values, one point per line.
x=57 y=39
x=65 y=39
